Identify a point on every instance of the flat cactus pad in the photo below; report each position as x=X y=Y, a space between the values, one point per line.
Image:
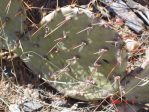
x=74 y=54
x=11 y=22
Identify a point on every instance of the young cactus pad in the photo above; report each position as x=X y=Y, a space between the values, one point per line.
x=74 y=54
x=11 y=19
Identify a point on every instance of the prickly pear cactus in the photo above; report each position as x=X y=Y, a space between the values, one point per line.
x=11 y=22
x=70 y=50
x=74 y=54
x=136 y=83
x=137 y=88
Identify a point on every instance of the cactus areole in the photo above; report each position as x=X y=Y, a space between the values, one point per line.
x=73 y=53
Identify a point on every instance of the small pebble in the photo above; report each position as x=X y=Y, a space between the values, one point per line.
x=131 y=44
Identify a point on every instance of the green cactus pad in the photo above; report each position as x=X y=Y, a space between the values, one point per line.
x=137 y=87
x=74 y=54
x=11 y=22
